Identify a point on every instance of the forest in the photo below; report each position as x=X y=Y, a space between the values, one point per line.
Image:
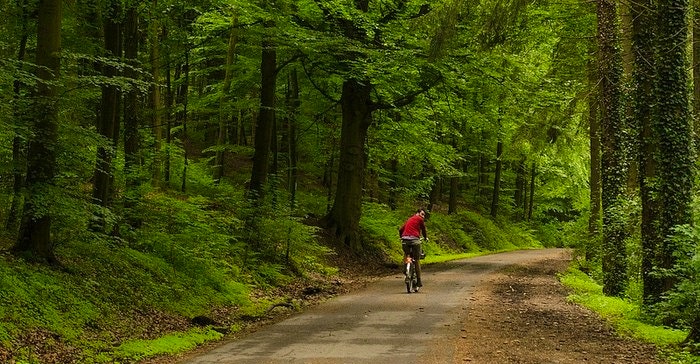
x=164 y=160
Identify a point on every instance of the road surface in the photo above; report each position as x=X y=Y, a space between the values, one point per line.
x=378 y=324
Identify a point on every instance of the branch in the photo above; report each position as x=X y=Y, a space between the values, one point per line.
x=425 y=85
x=318 y=88
x=287 y=62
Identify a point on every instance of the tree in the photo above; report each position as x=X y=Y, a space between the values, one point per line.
x=674 y=127
x=131 y=114
x=357 y=104
x=18 y=144
x=108 y=123
x=644 y=98
x=35 y=229
x=224 y=113
x=613 y=178
x=264 y=125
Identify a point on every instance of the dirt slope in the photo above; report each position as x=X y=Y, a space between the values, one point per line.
x=520 y=315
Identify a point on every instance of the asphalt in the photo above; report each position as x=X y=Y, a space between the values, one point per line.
x=379 y=324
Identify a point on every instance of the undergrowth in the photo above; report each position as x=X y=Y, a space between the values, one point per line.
x=108 y=300
x=626 y=316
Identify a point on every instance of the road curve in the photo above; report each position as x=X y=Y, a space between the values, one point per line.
x=378 y=324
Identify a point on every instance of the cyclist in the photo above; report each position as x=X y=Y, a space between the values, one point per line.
x=410 y=234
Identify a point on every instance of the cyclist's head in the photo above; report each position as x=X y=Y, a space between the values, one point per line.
x=421 y=212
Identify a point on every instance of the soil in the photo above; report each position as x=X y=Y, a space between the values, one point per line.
x=521 y=315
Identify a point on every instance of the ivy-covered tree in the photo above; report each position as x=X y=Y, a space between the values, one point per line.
x=612 y=156
x=674 y=127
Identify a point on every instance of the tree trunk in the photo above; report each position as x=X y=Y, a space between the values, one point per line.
x=344 y=217
x=593 y=245
x=184 y=96
x=630 y=140
x=157 y=173
x=224 y=118
x=108 y=121
x=131 y=116
x=497 y=180
x=644 y=99
x=696 y=72
x=483 y=178
x=294 y=103
x=676 y=164
x=532 y=192
x=19 y=157
x=519 y=184
x=168 y=108
x=263 y=128
x=35 y=230
x=435 y=193
x=393 y=184
x=612 y=160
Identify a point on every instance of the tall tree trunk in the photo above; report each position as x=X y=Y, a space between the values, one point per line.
x=627 y=53
x=532 y=192
x=293 y=108
x=344 y=217
x=643 y=122
x=593 y=244
x=612 y=162
x=102 y=190
x=131 y=116
x=393 y=184
x=435 y=193
x=224 y=113
x=19 y=157
x=483 y=178
x=263 y=128
x=519 y=183
x=184 y=95
x=497 y=180
x=696 y=72
x=168 y=109
x=694 y=334
x=676 y=164
x=156 y=123
x=35 y=230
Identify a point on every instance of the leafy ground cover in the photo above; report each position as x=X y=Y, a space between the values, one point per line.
x=626 y=317
x=195 y=271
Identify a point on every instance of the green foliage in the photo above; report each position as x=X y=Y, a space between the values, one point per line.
x=134 y=350
x=488 y=235
x=450 y=236
x=682 y=304
x=34 y=297
x=624 y=315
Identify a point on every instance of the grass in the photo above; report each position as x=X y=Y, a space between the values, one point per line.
x=193 y=255
x=173 y=343
x=626 y=317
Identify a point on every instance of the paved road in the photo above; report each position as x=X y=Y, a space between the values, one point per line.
x=379 y=324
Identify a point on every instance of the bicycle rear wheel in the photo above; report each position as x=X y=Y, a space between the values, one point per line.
x=410 y=277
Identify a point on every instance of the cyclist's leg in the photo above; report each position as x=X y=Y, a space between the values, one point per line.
x=406 y=252
x=415 y=251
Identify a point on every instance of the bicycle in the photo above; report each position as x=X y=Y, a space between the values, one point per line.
x=411 y=277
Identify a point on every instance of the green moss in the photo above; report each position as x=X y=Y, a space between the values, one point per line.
x=169 y=344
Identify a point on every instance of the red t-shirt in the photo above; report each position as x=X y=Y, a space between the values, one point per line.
x=414 y=226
